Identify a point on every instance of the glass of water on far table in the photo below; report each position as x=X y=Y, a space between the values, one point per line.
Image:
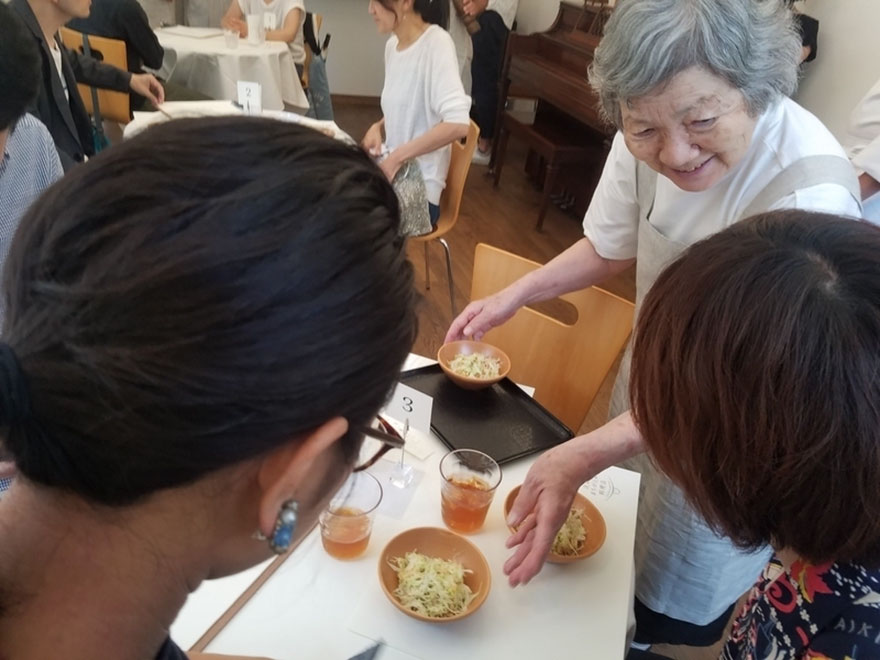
x=231 y=37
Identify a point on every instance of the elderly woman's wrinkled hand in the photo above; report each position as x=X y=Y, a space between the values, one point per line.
x=540 y=510
x=481 y=316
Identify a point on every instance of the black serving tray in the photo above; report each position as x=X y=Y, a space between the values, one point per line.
x=501 y=421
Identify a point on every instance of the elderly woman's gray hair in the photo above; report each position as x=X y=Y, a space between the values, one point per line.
x=752 y=44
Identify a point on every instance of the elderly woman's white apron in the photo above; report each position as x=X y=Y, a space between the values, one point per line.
x=683 y=569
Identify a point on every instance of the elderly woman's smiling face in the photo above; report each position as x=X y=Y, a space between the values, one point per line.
x=692 y=130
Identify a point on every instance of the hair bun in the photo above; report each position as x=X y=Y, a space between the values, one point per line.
x=14 y=399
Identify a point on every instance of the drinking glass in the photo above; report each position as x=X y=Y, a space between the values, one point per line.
x=469 y=479
x=348 y=520
x=231 y=37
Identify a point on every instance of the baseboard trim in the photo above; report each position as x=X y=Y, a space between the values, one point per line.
x=350 y=99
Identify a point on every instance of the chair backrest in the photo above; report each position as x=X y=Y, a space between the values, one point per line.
x=115 y=106
x=459 y=166
x=314 y=21
x=566 y=364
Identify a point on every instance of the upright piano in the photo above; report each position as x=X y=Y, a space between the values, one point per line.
x=552 y=67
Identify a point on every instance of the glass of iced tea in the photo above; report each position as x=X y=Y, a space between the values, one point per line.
x=348 y=520
x=468 y=482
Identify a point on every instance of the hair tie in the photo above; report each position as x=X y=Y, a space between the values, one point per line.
x=14 y=398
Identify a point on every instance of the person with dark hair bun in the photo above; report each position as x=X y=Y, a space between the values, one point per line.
x=188 y=368
x=424 y=106
x=755 y=389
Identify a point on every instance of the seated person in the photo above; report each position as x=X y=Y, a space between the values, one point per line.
x=58 y=104
x=424 y=106
x=28 y=160
x=126 y=21
x=172 y=357
x=754 y=388
x=288 y=16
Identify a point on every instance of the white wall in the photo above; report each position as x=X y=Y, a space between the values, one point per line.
x=536 y=15
x=848 y=61
x=356 y=58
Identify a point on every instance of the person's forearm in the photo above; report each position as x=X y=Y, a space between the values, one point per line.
x=287 y=32
x=578 y=267
x=869 y=185
x=284 y=35
x=442 y=134
x=608 y=445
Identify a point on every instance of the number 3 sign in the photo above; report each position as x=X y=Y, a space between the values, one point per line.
x=408 y=403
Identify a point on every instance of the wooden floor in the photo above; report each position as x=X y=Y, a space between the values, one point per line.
x=504 y=217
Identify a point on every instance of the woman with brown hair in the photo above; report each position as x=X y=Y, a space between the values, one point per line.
x=756 y=387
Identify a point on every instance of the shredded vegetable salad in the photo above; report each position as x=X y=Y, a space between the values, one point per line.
x=476 y=365
x=570 y=538
x=430 y=586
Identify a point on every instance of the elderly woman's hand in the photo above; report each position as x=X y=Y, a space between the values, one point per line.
x=546 y=495
x=541 y=508
x=482 y=315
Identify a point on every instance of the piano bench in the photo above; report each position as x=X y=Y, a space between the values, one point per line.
x=559 y=144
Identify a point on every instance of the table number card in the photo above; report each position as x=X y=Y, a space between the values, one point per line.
x=250 y=97
x=269 y=21
x=408 y=403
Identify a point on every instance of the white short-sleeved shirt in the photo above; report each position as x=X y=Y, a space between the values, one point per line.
x=280 y=8
x=863 y=144
x=422 y=89
x=784 y=133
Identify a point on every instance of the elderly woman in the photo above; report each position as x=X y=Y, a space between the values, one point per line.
x=187 y=372
x=785 y=397
x=707 y=135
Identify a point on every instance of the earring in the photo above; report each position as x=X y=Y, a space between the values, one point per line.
x=285 y=526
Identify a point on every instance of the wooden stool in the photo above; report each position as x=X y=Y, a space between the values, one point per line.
x=557 y=143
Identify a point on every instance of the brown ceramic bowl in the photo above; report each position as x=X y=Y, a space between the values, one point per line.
x=447 y=354
x=441 y=543
x=593 y=522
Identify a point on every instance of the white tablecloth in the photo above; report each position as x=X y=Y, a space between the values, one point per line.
x=317 y=607
x=182 y=109
x=207 y=65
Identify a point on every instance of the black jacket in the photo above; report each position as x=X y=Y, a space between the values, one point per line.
x=127 y=21
x=68 y=121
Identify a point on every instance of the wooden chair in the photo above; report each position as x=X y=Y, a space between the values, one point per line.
x=450 y=204
x=566 y=364
x=115 y=106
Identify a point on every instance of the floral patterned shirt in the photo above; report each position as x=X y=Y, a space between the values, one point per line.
x=829 y=611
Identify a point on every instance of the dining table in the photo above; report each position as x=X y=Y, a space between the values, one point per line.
x=309 y=605
x=199 y=58
x=169 y=110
